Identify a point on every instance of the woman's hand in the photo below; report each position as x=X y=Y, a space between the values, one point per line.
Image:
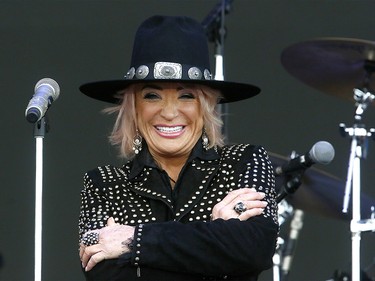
x=114 y=240
x=251 y=199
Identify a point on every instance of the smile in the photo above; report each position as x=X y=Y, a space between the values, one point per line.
x=170 y=130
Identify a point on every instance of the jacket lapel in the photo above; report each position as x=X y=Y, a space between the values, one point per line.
x=193 y=183
x=196 y=178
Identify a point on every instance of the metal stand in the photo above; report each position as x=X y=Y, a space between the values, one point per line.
x=276 y=259
x=283 y=257
x=358 y=151
x=40 y=130
x=285 y=211
x=214 y=24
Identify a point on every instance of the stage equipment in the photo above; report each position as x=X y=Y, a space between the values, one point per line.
x=334 y=66
x=46 y=90
x=318 y=192
x=289 y=177
x=214 y=24
x=322 y=153
x=345 y=68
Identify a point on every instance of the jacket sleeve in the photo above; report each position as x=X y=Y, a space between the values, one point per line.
x=214 y=248
x=95 y=207
x=219 y=247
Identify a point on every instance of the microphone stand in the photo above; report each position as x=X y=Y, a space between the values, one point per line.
x=285 y=210
x=214 y=24
x=40 y=129
x=358 y=151
x=282 y=259
x=295 y=227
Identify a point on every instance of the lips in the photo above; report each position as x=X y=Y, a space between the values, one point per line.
x=170 y=131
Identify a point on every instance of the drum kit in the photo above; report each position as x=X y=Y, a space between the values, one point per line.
x=344 y=68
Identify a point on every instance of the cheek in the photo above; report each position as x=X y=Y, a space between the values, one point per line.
x=145 y=113
x=195 y=114
x=141 y=122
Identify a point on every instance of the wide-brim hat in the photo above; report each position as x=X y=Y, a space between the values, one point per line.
x=169 y=49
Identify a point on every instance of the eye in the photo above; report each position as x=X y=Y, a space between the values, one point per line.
x=187 y=96
x=151 y=96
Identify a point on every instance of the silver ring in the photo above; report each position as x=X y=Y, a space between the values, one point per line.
x=240 y=208
x=90 y=239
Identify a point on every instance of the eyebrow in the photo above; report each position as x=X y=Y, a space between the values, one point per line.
x=157 y=87
x=152 y=86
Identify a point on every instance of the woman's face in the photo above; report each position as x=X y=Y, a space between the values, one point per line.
x=169 y=117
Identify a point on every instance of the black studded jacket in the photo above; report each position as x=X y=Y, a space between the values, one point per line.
x=175 y=238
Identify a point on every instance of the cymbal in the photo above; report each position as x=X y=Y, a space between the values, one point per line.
x=334 y=66
x=320 y=193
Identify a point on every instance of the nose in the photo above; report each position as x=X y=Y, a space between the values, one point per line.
x=169 y=110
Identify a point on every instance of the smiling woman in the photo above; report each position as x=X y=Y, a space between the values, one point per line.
x=126 y=124
x=184 y=206
x=170 y=120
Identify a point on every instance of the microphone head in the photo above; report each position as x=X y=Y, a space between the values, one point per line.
x=52 y=84
x=322 y=152
x=46 y=91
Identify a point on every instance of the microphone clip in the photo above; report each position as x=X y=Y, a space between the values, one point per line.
x=291 y=184
x=41 y=127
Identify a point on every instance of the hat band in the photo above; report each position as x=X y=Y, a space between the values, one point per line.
x=168 y=70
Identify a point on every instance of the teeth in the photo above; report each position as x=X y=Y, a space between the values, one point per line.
x=170 y=129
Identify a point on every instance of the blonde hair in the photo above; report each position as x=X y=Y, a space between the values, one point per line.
x=125 y=127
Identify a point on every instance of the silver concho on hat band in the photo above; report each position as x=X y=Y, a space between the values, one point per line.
x=167 y=70
x=194 y=73
x=142 y=72
x=130 y=73
x=207 y=74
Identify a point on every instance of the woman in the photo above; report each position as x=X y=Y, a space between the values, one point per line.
x=183 y=206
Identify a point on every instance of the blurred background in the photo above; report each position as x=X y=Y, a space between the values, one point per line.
x=79 y=41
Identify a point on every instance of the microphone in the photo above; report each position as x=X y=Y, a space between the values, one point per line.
x=322 y=152
x=46 y=92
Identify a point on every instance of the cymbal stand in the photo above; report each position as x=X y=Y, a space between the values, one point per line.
x=358 y=151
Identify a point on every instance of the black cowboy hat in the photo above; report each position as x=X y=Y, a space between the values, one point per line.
x=169 y=49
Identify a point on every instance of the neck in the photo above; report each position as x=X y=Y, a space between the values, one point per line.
x=172 y=165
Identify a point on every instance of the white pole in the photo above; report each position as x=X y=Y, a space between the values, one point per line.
x=356 y=234
x=38 y=208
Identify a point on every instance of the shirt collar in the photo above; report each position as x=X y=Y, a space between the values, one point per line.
x=145 y=159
